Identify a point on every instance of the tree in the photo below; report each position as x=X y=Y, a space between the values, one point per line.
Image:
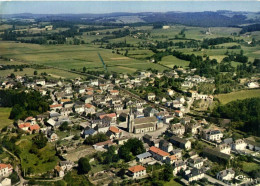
x=84 y=69
x=40 y=141
x=83 y=166
x=64 y=126
x=35 y=73
x=167 y=172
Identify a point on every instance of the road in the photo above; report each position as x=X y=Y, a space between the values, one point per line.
x=213 y=180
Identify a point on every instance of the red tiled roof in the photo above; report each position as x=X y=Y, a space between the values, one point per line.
x=29 y=118
x=112 y=115
x=89 y=105
x=114 y=91
x=3 y=166
x=34 y=127
x=23 y=125
x=158 y=151
x=114 y=129
x=104 y=143
x=57 y=105
x=65 y=100
x=173 y=157
x=137 y=168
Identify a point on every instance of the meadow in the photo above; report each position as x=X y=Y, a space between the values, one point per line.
x=4 y=117
x=239 y=95
x=73 y=57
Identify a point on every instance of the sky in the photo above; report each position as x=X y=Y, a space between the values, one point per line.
x=76 y=7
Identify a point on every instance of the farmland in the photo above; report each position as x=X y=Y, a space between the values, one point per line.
x=243 y=94
x=4 y=115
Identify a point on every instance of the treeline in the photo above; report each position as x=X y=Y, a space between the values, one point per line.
x=23 y=104
x=7 y=67
x=250 y=28
x=236 y=57
x=245 y=114
x=180 y=44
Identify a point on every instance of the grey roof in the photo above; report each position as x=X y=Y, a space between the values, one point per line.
x=216 y=153
x=214 y=132
x=226 y=172
x=144 y=155
x=177 y=139
x=89 y=132
x=228 y=140
x=144 y=126
x=194 y=172
x=145 y=120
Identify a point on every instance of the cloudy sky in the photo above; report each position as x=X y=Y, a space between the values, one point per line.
x=55 y=7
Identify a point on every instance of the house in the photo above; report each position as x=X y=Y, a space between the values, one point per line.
x=215 y=155
x=40 y=82
x=171 y=159
x=90 y=109
x=158 y=154
x=66 y=165
x=111 y=115
x=151 y=97
x=114 y=92
x=60 y=171
x=114 y=133
x=149 y=112
x=213 y=135
x=165 y=146
x=185 y=120
x=6 y=182
x=226 y=175
x=137 y=171
x=252 y=144
x=5 y=169
x=194 y=175
x=196 y=162
x=178 y=113
x=66 y=111
x=170 y=92
x=79 y=107
x=238 y=145
x=178 y=166
x=224 y=148
x=193 y=128
x=55 y=107
x=87 y=99
x=167 y=119
x=180 y=142
x=104 y=144
x=253 y=85
x=177 y=129
x=52 y=136
x=88 y=132
x=143 y=156
x=177 y=153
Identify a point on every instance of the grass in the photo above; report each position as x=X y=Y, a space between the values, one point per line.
x=171 y=61
x=239 y=95
x=44 y=161
x=73 y=57
x=4 y=117
x=172 y=183
x=250 y=166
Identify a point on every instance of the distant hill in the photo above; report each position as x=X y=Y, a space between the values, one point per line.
x=204 y=19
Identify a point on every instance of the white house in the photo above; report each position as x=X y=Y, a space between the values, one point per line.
x=238 y=145
x=5 y=169
x=213 y=135
x=224 y=148
x=137 y=171
x=226 y=175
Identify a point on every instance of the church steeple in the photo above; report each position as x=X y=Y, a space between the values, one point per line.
x=130 y=121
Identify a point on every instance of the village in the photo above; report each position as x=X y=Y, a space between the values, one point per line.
x=91 y=116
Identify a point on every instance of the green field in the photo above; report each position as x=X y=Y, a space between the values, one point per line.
x=73 y=57
x=4 y=117
x=243 y=94
x=172 y=183
x=171 y=61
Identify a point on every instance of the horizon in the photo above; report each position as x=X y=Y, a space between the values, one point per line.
x=106 y=7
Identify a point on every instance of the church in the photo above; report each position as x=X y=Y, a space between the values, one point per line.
x=141 y=125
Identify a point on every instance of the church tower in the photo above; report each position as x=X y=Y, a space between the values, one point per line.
x=130 y=121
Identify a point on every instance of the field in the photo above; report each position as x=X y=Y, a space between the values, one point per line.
x=4 y=115
x=171 y=61
x=243 y=94
x=73 y=57
x=172 y=183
